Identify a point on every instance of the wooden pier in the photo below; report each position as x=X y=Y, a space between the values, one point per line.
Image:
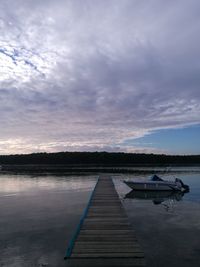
x=104 y=236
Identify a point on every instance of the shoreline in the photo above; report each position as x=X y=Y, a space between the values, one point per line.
x=87 y=169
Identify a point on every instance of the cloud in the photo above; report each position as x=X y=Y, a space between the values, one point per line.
x=89 y=75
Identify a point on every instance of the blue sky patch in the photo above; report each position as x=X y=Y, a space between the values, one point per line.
x=175 y=141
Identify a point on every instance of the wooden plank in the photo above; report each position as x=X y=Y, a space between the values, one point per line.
x=108 y=255
x=111 y=220
x=109 y=250
x=109 y=241
x=104 y=226
x=113 y=250
x=119 y=262
x=104 y=231
x=112 y=242
x=118 y=223
x=106 y=238
x=106 y=245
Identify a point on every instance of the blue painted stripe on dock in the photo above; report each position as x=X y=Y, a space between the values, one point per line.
x=73 y=239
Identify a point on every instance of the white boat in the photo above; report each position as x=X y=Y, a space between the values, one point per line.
x=158 y=184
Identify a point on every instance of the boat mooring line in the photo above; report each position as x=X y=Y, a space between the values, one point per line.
x=73 y=239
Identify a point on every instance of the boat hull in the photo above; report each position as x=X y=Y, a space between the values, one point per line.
x=153 y=186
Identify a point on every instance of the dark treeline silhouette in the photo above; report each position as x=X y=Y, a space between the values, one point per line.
x=98 y=158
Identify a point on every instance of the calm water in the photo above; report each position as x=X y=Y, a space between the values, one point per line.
x=38 y=215
x=167 y=226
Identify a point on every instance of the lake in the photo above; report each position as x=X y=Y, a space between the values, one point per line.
x=39 y=214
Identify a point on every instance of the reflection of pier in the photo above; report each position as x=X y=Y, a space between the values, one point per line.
x=104 y=236
x=156 y=196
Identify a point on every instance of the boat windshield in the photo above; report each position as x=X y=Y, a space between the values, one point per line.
x=155 y=178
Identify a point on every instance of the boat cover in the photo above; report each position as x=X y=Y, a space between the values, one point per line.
x=156 y=178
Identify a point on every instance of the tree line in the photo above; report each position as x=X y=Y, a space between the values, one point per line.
x=99 y=158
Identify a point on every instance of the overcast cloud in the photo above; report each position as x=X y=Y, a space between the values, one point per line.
x=88 y=75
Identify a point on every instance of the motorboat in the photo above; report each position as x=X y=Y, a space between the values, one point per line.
x=155 y=183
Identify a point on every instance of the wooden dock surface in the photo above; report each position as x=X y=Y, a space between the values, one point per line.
x=105 y=237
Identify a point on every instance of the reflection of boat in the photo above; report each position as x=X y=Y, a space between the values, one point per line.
x=156 y=196
x=158 y=184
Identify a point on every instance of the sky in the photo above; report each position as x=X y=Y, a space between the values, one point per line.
x=100 y=75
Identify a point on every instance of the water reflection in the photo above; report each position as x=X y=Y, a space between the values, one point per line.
x=43 y=211
x=166 y=198
x=11 y=185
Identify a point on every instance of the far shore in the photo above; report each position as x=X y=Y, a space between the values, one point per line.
x=92 y=168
